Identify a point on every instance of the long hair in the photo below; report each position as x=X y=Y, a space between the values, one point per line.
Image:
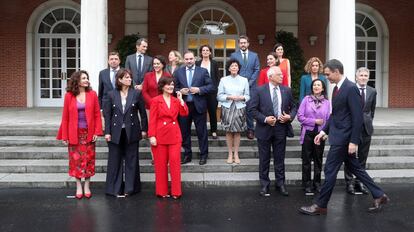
x=323 y=86
x=119 y=75
x=73 y=83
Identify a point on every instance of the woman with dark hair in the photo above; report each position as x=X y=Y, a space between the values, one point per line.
x=313 y=68
x=123 y=130
x=271 y=61
x=80 y=127
x=211 y=65
x=284 y=64
x=233 y=93
x=165 y=137
x=313 y=114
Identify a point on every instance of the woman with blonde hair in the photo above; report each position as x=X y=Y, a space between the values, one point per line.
x=175 y=60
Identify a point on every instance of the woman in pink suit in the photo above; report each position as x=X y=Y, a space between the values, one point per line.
x=165 y=137
x=81 y=124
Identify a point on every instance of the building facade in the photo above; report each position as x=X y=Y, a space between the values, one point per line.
x=41 y=41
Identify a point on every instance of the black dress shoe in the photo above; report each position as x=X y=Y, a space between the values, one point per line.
x=202 y=161
x=361 y=188
x=186 y=160
x=350 y=189
x=313 y=210
x=283 y=191
x=378 y=203
x=250 y=134
x=264 y=192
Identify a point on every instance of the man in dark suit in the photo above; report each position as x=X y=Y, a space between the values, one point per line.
x=344 y=130
x=107 y=76
x=273 y=107
x=250 y=68
x=139 y=63
x=194 y=83
x=368 y=100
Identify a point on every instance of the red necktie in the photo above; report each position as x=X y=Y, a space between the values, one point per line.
x=335 y=91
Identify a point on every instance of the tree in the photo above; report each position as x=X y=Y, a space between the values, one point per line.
x=126 y=46
x=294 y=53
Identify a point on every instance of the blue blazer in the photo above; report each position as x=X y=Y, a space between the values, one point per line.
x=305 y=85
x=115 y=117
x=345 y=123
x=261 y=106
x=251 y=70
x=201 y=79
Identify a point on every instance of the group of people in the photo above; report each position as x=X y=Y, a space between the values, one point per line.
x=159 y=101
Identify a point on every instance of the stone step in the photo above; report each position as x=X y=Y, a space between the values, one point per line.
x=213 y=165
x=33 y=130
x=47 y=141
x=62 y=180
x=28 y=152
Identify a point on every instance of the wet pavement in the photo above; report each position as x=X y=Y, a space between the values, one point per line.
x=201 y=209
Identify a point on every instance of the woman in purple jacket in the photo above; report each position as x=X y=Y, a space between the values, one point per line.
x=313 y=113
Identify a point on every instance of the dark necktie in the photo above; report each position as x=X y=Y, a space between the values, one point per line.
x=362 y=96
x=335 y=92
x=113 y=80
x=275 y=102
x=244 y=58
x=139 y=64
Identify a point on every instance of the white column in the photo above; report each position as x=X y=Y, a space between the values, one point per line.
x=342 y=34
x=94 y=38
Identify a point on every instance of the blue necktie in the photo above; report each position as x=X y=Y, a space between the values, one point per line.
x=190 y=80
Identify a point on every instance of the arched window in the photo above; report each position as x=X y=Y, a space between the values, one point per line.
x=367 y=46
x=216 y=28
x=58 y=52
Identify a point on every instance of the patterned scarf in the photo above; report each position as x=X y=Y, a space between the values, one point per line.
x=317 y=100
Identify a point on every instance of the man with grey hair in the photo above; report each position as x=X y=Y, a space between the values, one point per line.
x=273 y=107
x=368 y=101
x=139 y=63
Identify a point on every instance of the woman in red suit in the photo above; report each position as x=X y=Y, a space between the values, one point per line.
x=81 y=124
x=165 y=137
x=271 y=60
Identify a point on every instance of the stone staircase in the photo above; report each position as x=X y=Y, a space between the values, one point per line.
x=31 y=157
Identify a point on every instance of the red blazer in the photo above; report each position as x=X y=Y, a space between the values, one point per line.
x=163 y=123
x=150 y=87
x=69 y=126
x=263 y=79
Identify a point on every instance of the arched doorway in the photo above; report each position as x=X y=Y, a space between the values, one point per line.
x=215 y=23
x=57 y=54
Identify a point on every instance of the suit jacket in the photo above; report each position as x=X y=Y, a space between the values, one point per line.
x=345 y=123
x=68 y=129
x=261 y=106
x=251 y=70
x=214 y=74
x=201 y=79
x=105 y=84
x=369 y=109
x=131 y=64
x=115 y=117
x=163 y=123
x=150 y=87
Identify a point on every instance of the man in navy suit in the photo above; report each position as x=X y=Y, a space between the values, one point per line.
x=250 y=68
x=194 y=83
x=344 y=130
x=139 y=63
x=107 y=76
x=273 y=107
x=369 y=101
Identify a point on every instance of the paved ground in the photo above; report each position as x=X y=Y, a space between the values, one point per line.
x=50 y=117
x=200 y=209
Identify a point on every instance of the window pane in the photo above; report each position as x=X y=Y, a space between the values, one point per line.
x=372 y=46
x=43 y=28
x=56 y=52
x=44 y=83
x=360 y=55
x=71 y=43
x=44 y=73
x=371 y=55
x=367 y=23
x=360 y=64
x=56 y=83
x=69 y=13
x=58 y=13
x=372 y=32
x=71 y=52
x=359 y=18
x=371 y=83
x=56 y=63
x=44 y=43
x=56 y=73
x=192 y=29
x=56 y=43
x=218 y=52
x=49 y=19
x=69 y=72
x=232 y=29
x=71 y=63
x=64 y=28
x=371 y=65
x=76 y=20
x=44 y=52
x=219 y=43
x=44 y=93
x=359 y=32
x=44 y=63
x=192 y=44
x=57 y=93
x=230 y=43
x=360 y=46
x=206 y=15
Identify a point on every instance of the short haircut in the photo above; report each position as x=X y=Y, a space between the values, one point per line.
x=243 y=37
x=140 y=40
x=233 y=61
x=114 y=54
x=334 y=64
x=271 y=72
x=119 y=75
x=323 y=86
x=308 y=66
x=360 y=70
x=188 y=51
x=163 y=81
